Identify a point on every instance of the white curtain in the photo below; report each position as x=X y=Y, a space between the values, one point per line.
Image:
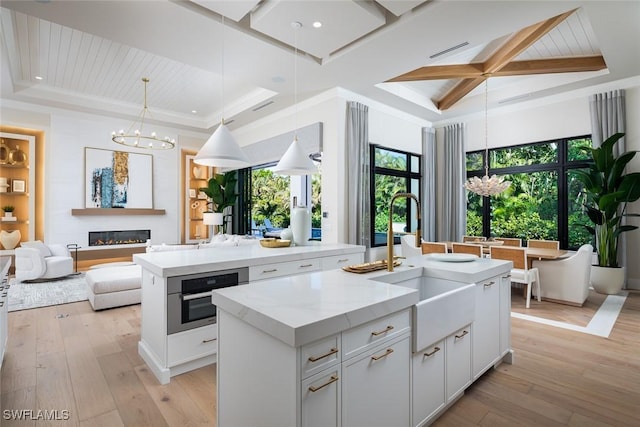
x=358 y=165
x=454 y=218
x=429 y=218
x=608 y=116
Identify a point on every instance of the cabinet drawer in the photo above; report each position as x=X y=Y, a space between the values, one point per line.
x=192 y=344
x=321 y=399
x=458 y=362
x=320 y=355
x=339 y=261
x=268 y=271
x=361 y=338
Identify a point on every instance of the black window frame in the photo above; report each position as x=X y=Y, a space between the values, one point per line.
x=407 y=174
x=562 y=166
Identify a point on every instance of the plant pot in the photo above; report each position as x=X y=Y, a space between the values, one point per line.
x=607 y=280
x=8 y=214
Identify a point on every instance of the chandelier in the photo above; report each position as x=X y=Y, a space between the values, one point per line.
x=486 y=186
x=136 y=138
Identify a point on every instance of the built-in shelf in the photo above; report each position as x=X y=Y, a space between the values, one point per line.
x=117 y=211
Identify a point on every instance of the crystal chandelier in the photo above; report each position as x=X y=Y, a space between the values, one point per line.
x=137 y=138
x=486 y=186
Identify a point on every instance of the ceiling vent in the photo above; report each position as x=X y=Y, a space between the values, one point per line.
x=451 y=49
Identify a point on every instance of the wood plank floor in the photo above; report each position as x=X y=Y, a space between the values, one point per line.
x=69 y=358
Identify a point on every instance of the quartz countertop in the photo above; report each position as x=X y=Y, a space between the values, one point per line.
x=303 y=308
x=177 y=263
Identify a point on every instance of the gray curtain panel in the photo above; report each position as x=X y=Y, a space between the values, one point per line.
x=429 y=218
x=454 y=208
x=357 y=139
x=608 y=116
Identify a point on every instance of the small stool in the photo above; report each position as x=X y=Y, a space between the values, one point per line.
x=114 y=286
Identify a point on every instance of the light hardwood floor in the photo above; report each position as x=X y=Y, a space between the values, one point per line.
x=68 y=357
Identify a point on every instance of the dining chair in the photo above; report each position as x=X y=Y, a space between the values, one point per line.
x=469 y=239
x=509 y=241
x=434 y=248
x=520 y=273
x=547 y=244
x=467 y=248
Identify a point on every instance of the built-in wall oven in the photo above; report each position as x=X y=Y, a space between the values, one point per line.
x=189 y=297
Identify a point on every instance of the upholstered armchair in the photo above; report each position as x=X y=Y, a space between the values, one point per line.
x=566 y=280
x=36 y=260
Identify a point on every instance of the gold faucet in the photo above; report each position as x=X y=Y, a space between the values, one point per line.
x=390 y=231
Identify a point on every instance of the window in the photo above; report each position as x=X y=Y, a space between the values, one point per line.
x=544 y=200
x=393 y=171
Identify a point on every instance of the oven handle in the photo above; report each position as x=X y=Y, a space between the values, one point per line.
x=189 y=297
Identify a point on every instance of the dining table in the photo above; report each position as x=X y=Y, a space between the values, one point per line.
x=532 y=253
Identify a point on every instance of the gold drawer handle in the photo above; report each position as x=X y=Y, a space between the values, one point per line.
x=306 y=265
x=387 y=329
x=209 y=340
x=343 y=260
x=386 y=353
x=490 y=284
x=273 y=270
x=508 y=276
x=461 y=335
x=316 y=358
x=333 y=379
x=435 y=350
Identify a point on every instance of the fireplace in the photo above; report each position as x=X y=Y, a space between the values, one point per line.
x=123 y=237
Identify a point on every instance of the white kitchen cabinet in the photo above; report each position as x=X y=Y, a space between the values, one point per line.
x=320 y=355
x=505 y=316
x=183 y=347
x=486 y=326
x=428 y=392
x=339 y=261
x=321 y=399
x=458 y=362
x=280 y=269
x=375 y=386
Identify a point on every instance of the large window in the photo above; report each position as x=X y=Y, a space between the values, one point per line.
x=543 y=201
x=393 y=171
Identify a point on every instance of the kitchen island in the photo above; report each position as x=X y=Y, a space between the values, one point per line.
x=178 y=331
x=378 y=349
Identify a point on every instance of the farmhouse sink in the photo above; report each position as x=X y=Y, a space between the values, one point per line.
x=445 y=305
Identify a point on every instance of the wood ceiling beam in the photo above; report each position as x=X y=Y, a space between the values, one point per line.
x=440 y=72
x=458 y=92
x=553 y=65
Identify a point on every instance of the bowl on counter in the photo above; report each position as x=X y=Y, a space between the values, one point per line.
x=271 y=242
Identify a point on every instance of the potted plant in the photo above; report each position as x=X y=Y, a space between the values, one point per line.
x=221 y=190
x=608 y=190
x=8 y=210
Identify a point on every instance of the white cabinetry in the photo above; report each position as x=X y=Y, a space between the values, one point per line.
x=458 y=362
x=321 y=401
x=428 y=372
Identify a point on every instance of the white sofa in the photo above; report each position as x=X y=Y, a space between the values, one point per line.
x=566 y=280
x=37 y=260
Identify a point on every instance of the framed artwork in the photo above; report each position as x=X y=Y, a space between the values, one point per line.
x=118 y=179
x=18 y=185
x=192 y=193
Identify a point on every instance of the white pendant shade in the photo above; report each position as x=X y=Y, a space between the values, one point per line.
x=221 y=150
x=295 y=161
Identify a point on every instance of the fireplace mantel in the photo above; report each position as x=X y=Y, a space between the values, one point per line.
x=116 y=211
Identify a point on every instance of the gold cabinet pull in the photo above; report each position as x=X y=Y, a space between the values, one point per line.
x=316 y=358
x=343 y=260
x=490 y=284
x=385 y=354
x=306 y=265
x=273 y=270
x=435 y=350
x=209 y=340
x=465 y=332
x=508 y=276
x=333 y=379
x=384 y=331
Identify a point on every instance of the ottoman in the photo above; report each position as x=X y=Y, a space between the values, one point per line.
x=114 y=286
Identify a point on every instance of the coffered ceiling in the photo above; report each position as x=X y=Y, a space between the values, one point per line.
x=91 y=55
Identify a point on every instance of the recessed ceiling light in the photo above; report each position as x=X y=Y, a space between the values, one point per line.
x=39 y=77
x=317 y=24
x=194 y=111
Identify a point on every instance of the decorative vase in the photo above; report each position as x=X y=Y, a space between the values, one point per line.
x=286 y=234
x=301 y=225
x=10 y=239
x=607 y=280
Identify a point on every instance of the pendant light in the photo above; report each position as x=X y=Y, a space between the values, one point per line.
x=221 y=149
x=295 y=161
x=486 y=186
x=137 y=138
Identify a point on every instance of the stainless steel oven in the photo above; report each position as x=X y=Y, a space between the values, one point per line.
x=189 y=297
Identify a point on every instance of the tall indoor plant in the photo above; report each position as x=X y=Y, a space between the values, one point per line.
x=221 y=190
x=608 y=191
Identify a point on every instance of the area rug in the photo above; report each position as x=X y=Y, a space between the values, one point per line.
x=26 y=295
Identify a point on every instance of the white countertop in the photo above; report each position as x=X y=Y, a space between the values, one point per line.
x=176 y=263
x=303 y=308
